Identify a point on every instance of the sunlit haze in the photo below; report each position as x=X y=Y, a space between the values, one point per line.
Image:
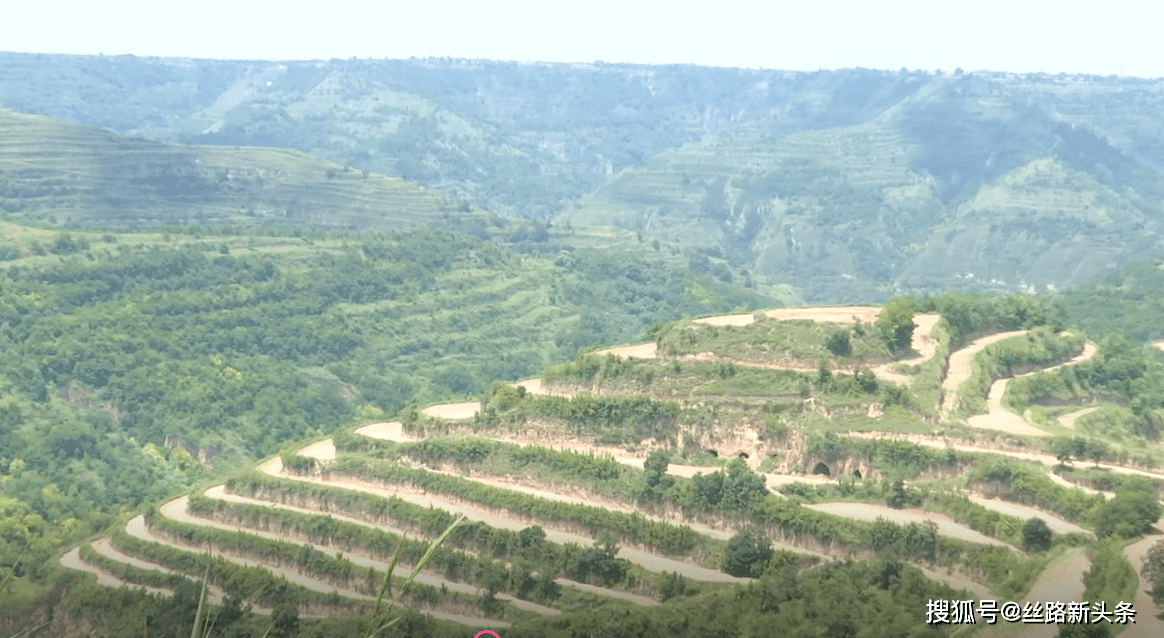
x=1115 y=37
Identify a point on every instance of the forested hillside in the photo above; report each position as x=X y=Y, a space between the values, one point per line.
x=850 y=184
x=134 y=362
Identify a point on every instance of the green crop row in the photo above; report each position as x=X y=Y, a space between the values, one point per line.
x=1021 y=483
x=893 y=457
x=455 y=565
x=131 y=573
x=527 y=549
x=306 y=559
x=634 y=528
x=251 y=583
x=600 y=472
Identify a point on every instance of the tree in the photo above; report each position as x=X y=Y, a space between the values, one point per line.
x=839 y=343
x=747 y=552
x=1154 y=573
x=655 y=479
x=1037 y=536
x=895 y=323
x=1131 y=513
x=284 y=621
x=898 y=495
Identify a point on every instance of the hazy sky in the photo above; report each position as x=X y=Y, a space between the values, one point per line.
x=1114 y=36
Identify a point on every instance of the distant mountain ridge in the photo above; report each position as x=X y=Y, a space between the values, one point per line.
x=849 y=184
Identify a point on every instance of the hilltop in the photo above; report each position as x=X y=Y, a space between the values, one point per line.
x=849 y=185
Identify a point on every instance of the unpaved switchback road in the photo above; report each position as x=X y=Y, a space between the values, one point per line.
x=1040 y=457
x=72 y=560
x=958 y=370
x=923 y=343
x=219 y=492
x=998 y=417
x=455 y=411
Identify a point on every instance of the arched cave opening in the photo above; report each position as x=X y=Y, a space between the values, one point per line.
x=821 y=468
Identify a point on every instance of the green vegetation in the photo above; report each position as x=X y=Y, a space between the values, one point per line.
x=1111 y=578
x=1010 y=357
x=133 y=361
x=1026 y=484
x=747 y=553
x=771 y=341
x=1129 y=514
x=1037 y=537
x=1153 y=571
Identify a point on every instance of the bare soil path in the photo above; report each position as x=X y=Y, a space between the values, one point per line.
x=869 y=512
x=958 y=370
x=1147 y=625
x=456 y=411
x=1057 y=524
x=219 y=492
x=1068 y=420
x=72 y=560
x=1062 y=581
x=633 y=351
x=104 y=546
x=320 y=450
x=923 y=343
x=998 y=417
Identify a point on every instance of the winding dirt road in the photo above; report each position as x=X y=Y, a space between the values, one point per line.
x=998 y=417
x=72 y=560
x=453 y=411
x=958 y=369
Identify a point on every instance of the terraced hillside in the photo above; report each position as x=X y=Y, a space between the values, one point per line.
x=661 y=484
x=64 y=173
x=849 y=184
